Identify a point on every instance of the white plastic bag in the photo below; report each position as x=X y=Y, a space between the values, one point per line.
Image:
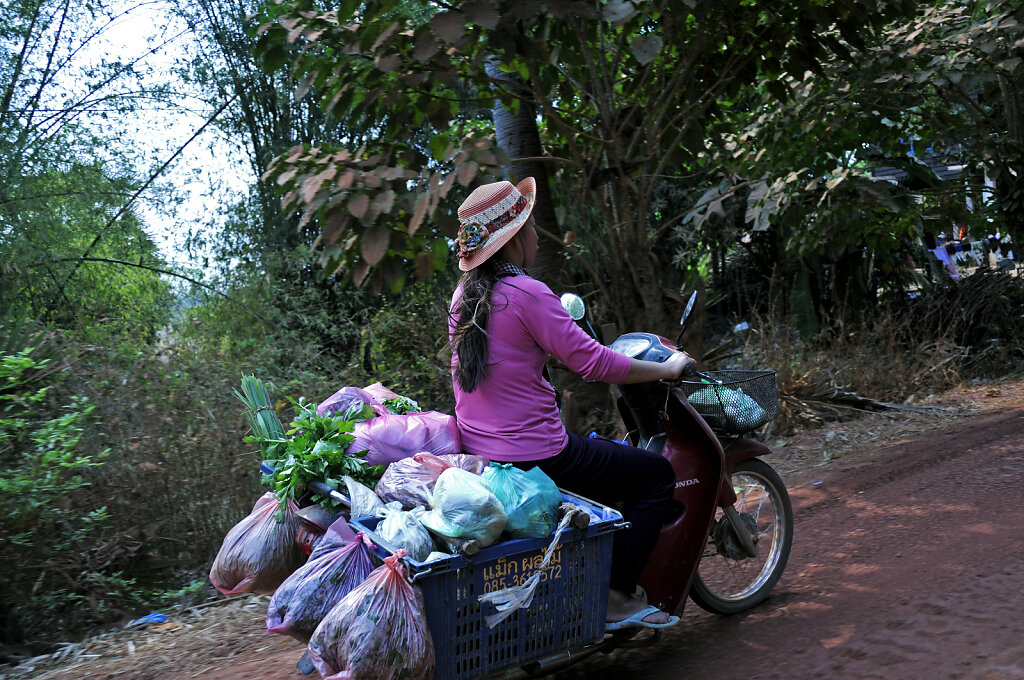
x=463 y=507
x=364 y=502
x=403 y=529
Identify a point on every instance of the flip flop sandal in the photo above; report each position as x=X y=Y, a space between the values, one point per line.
x=637 y=621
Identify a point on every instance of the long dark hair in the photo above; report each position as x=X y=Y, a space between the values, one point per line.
x=469 y=338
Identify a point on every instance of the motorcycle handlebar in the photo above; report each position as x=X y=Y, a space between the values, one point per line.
x=691 y=372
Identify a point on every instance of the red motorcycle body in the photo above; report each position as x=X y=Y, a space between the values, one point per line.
x=703 y=470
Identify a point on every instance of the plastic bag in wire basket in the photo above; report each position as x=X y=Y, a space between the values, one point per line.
x=740 y=411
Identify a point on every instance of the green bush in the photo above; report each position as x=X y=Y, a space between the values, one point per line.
x=41 y=471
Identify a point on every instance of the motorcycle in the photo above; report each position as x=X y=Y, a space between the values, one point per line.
x=725 y=545
x=732 y=531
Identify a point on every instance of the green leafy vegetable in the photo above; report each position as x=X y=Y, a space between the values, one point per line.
x=401 y=405
x=312 y=449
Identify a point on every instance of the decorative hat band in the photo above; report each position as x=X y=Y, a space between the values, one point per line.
x=477 y=228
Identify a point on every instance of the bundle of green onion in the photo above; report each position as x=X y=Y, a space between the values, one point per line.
x=266 y=427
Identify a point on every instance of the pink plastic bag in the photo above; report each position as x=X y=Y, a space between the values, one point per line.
x=339 y=563
x=381 y=393
x=259 y=552
x=391 y=437
x=377 y=632
x=410 y=481
x=339 y=402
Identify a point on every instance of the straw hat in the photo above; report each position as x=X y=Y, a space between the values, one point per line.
x=490 y=217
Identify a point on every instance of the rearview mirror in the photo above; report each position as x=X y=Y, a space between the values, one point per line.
x=689 y=308
x=574 y=306
x=686 y=314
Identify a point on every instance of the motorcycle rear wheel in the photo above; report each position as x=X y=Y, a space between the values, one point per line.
x=728 y=582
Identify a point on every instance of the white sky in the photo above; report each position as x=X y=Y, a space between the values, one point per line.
x=156 y=132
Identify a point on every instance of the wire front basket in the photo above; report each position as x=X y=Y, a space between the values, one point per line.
x=742 y=401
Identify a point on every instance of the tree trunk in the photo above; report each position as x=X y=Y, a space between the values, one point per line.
x=518 y=135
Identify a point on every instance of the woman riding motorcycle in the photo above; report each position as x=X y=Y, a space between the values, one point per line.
x=503 y=326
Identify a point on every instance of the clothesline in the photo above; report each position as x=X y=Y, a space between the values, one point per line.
x=963 y=247
x=946 y=253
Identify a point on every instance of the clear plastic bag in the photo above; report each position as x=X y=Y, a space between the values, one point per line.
x=259 y=552
x=462 y=506
x=530 y=499
x=741 y=412
x=404 y=529
x=391 y=437
x=377 y=632
x=394 y=403
x=339 y=563
x=363 y=501
x=410 y=481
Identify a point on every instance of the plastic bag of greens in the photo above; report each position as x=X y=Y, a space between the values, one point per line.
x=410 y=481
x=377 y=632
x=394 y=403
x=403 y=529
x=346 y=399
x=392 y=437
x=259 y=552
x=462 y=506
x=339 y=563
x=530 y=499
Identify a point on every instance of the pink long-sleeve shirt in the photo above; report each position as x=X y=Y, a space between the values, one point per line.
x=512 y=414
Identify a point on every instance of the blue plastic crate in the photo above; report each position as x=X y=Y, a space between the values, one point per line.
x=568 y=608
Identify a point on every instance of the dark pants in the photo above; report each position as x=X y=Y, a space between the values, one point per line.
x=612 y=473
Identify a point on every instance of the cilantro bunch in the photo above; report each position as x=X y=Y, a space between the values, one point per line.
x=314 y=450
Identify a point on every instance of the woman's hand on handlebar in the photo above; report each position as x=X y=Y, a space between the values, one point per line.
x=647 y=371
x=676 y=365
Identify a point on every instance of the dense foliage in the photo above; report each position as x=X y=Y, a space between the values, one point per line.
x=631 y=100
x=41 y=470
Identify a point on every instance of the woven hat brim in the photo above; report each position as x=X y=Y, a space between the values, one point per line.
x=528 y=188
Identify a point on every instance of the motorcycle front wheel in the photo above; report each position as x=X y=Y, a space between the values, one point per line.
x=728 y=580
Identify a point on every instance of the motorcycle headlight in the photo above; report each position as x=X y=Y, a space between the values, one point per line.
x=631 y=345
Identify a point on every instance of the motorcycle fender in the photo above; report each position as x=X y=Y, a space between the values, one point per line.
x=697 y=458
x=736 y=451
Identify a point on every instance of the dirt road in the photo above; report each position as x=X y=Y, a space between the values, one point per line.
x=907 y=564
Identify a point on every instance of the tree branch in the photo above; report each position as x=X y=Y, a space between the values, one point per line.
x=152 y=178
x=158 y=270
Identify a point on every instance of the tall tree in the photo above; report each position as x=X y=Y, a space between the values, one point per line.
x=626 y=94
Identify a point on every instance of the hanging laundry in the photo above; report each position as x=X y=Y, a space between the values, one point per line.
x=944 y=257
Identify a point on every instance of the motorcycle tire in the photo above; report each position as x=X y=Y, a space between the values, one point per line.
x=727 y=580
